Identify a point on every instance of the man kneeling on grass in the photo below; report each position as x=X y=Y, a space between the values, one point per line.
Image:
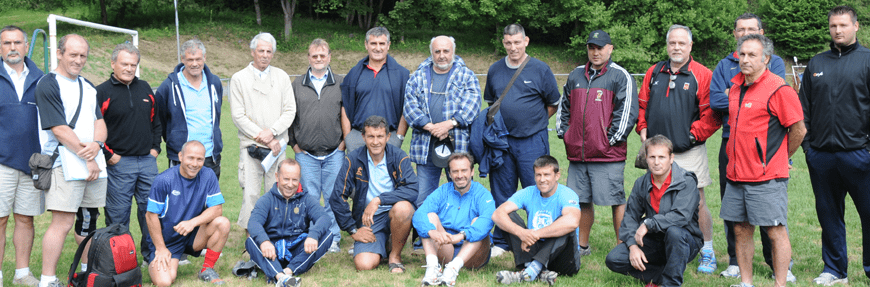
x=548 y=244
x=282 y=242
x=184 y=217
x=660 y=231
x=454 y=222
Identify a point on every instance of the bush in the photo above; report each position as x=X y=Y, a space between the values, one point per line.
x=797 y=27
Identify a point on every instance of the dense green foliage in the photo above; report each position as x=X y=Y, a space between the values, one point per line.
x=797 y=27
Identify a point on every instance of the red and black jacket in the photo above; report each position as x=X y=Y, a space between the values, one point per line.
x=760 y=114
x=676 y=113
x=598 y=111
x=133 y=128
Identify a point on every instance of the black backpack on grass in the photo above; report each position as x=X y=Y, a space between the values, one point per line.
x=111 y=260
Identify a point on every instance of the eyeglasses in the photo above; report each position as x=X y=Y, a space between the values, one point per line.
x=750 y=30
x=671 y=83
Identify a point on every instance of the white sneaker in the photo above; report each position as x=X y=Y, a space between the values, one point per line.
x=448 y=278
x=432 y=276
x=496 y=252
x=788 y=277
x=732 y=271
x=828 y=279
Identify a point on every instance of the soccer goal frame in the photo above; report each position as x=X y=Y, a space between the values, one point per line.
x=52 y=34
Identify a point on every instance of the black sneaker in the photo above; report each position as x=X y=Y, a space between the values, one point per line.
x=209 y=275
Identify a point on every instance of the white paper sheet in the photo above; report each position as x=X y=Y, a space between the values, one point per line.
x=75 y=168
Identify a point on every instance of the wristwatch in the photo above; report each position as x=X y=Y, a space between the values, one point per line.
x=464 y=236
x=352 y=231
x=455 y=123
x=102 y=145
x=647 y=222
x=400 y=137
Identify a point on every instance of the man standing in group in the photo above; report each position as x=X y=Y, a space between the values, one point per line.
x=189 y=107
x=459 y=236
x=547 y=245
x=598 y=94
x=383 y=185
x=133 y=140
x=442 y=98
x=675 y=102
x=176 y=231
x=316 y=135
x=767 y=132
x=263 y=107
x=727 y=68
x=284 y=243
x=834 y=95
x=364 y=94
x=20 y=139
x=68 y=108
x=660 y=228
x=529 y=103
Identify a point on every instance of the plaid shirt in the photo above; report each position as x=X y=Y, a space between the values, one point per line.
x=462 y=104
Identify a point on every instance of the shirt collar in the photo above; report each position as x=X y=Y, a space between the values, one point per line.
x=10 y=71
x=314 y=78
x=371 y=162
x=263 y=73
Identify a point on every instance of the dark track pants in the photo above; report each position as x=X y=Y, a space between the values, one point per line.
x=667 y=254
x=518 y=166
x=558 y=254
x=300 y=262
x=833 y=175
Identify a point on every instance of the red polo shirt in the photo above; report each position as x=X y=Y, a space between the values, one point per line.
x=655 y=195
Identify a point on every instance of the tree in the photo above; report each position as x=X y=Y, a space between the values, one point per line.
x=289 y=7
x=797 y=28
x=256 y=10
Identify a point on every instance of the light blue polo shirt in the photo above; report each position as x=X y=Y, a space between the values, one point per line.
x=197 y=107
x=379 y=181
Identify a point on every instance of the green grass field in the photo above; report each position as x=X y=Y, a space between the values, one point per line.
x=337 y=269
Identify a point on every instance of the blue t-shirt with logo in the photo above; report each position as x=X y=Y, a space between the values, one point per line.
x=544 y=211
x=175 y=198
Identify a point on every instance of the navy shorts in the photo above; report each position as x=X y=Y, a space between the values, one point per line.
x=178 y=248
x=381 y=229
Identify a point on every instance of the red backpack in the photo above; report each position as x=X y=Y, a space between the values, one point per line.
x=112 y=260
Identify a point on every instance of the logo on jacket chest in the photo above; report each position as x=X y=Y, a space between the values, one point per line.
x=176 y=192
x=598 y=95
x=686 y=86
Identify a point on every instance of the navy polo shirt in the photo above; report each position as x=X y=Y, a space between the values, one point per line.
x=374 y=96
x=525 y=108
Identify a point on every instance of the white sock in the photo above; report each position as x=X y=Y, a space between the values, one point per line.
x=84 y=266
x=457 y=263
x=45 y=279
x=21 y=272
x=708 y=246
x=431 y=260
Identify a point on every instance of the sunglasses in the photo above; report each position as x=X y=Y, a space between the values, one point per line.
x=671 y=83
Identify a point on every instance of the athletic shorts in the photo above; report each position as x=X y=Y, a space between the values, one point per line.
x=18 y=195
x=68 y=196
x=381 y=229
x=86 y=221
x=600 y=183
x=759 y=203
x=178 y=248
x=695 y=160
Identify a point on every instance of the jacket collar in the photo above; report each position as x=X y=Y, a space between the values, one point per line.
x=740 y=78
x=115 y=81
x=277 y=193
x=600 y=72
x=845 y=50
x=683 y=70
x=330 y=78
x=678 y=179
x=32 y=76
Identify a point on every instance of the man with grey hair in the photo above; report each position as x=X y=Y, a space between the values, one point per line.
x=364 y=94
x=442 y=98
x=727 y=68
x=133 y=140
x=189 y=106
x=20 y=139
x=263 y=107
x=756 y=193
x=674 y=101
x=68 y=109
x=529 y=103
x=316 y=135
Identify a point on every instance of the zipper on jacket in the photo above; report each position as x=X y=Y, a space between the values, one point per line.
x=583 y=118
x=760 y=155
x=130 y=94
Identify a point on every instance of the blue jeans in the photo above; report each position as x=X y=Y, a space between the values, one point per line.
x=833 y=175
x=130 y=178
x=318 y=178
x=518 y=167
x=300 y=262
x=428 y=179
x=667 y=253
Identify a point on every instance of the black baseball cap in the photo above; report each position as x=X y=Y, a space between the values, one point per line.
x=598 y=38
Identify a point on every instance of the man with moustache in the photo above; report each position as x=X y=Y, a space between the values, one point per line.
x=528 y=105
x=660 y=228
x=283 y=242
x=768 y=129
x=133 y=140
x=263 y=107
x=675 y=102
x=459 y=236
x=442 y=98
x=835 y=96
x=19 y=140
x=189 y=106
x=364 y=94
x=316 y=135
x=598 y=94
x=727 y=68
x=62 y=96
